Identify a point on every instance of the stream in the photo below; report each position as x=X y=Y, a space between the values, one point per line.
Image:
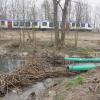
x=39 y=88
x=8 y=64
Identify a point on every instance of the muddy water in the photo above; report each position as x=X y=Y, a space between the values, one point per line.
x=9 y=64
x=39 y=88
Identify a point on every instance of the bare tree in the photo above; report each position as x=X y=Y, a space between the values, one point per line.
x=47 y=9
x=96 y=20
x=33 y=11
x=82 y=15
x=17 y=9
x=59 y=41
x=13 y=9
x=82 y=11
x=64 y=17
x=86 y=13
x=78 y=9
x=3 y=8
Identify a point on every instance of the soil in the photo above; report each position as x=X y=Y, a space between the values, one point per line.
x=90 y=90
x=43 y=48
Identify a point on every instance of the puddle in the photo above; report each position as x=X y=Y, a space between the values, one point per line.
x=9 y=64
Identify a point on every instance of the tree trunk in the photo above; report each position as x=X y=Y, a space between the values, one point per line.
x=76 y=39
x=63 y=27
x=56 y=23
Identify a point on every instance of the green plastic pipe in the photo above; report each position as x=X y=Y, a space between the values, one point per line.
x=84 y=67
x=82 y=59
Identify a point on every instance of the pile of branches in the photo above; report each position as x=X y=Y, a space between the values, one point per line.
x=52 y=59
x=29 y=74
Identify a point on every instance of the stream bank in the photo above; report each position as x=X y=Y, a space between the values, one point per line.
x=38 y=89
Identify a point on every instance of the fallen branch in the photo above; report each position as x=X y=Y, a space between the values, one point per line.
x=29 y=74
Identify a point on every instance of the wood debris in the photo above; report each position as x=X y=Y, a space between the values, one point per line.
x=29 y=74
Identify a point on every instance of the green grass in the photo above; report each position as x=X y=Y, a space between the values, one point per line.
x=60 y=97
x=78 y=80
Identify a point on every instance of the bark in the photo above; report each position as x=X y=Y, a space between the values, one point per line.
x=64 y=17
x=55 y=4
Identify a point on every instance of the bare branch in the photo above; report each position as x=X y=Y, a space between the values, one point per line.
x=60 y=6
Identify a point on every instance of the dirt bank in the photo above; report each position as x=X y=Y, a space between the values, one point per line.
x=77 y=89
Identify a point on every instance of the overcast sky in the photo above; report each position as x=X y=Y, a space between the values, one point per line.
x=94 y=2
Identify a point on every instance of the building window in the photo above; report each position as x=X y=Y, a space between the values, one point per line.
x=16 y=23
x=51 y=24
x=34 y=24
x=73 y=24
x=89 y=25
x=77 y=24
x=44 y=23
x=2 y=22
x=27 y=24
x=22 y=23
x=59 y=24
x=82 y=25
